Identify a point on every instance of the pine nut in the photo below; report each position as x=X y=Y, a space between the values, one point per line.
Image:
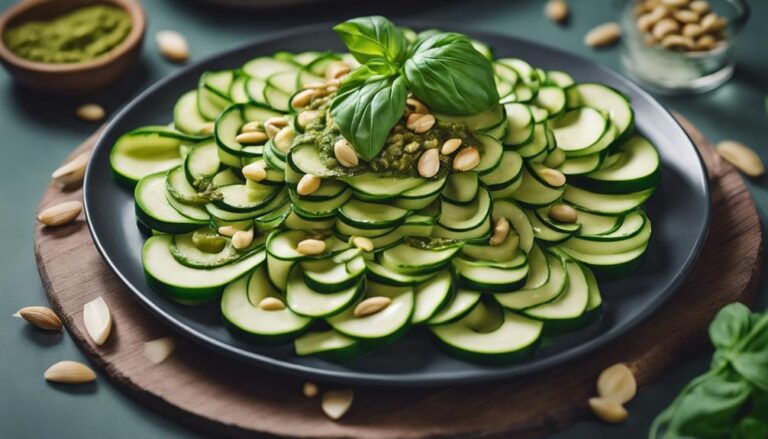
x=173 y=46
x=450 y=146
x=647 y=21
x=310 y=389
x=362 y=243
x=302 y=98
x=420 y=123
x=308 y=184
x=311 y=247
x=90 y=112
x=337 y=69
x=60 y=214
x=97 y=320
x=555 y=158
x=665 y=27
x=429 y=163
x=371 y=306
x=278 y=121
x=41 y=317
x=686 y=16
x=345 y=154
x=271 y=304
x=706 y=42
x=608 y=410
x=711 y=22
x=158 y=350
x=674 y=3
x=315 y=85
x=741 y=157
x=69 y=372
x=251 y=127
x=500 y=232
x=416 y=106
x=603 y=35
x=692 y=30
x=552 y=177
x=255 y=171
x=556 y=10
x=307 y=117
x=228 y=231
x=677 y=42
x=284 y=139
x=563 y=213
x=251 y=138
x=466 y=159
x=700 y=6
x=617 y=383
x=271 y=130
x=72 y=172
x=208 y=128
x=242 y=239
x=335 y=403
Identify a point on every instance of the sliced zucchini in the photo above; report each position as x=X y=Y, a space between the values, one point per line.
x=385 y=325
x=305 y=301
x=154 y=210
x=406 y=259
x=534 y=294
x=606 y=204
x=432 y=296
x=633 y=166
x=328 y=344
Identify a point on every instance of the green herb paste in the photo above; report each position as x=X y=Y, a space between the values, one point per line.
x=80 y=35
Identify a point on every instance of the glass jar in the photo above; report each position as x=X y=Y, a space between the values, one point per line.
x=676 y=71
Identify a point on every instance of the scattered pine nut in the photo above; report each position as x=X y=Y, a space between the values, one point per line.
x=41 y=317
x=345 y=154
x=251 y=138
x=552 y=177
x=429 y=163
x=310 y=247
x=173 y=46
x=603 y=35
x=371 y=306
x=271 y=304
x=741 y=157
x=500 y=232
x=336 y=403
x=60 y=214
x=337 y=70
x=90 y=112
x=242 y=239
x=450 y=146
x=284 y=138
x=310 y=389
x=228 y=231
x=608 y=410
x=255 y=171
x=97 y=320
x=556 y=10
x=70 y=372
x=308 y=184
x=72 y=172
x=302 y=98
x=251 y=126
x=563 y=213
x=466 y=159
x=158 y=350
x=618 y=383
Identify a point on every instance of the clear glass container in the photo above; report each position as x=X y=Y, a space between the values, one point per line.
x=680 y=72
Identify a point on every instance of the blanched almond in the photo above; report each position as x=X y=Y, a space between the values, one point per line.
x=71 y=172
x=420 y=123
x=91 y=112
x=60 y=214
x=345 y=154
x=608 y=410
x=70 y=372
x=97 y=320
x=372 y=305
x=173 y=46
x=429 y=163
x=556 y=10
x=603 y=35
x=742 y=157
x=618 y=383
x=308 y=184
x=310 y=247
x=41 y=317
x=500 y=232
x=335 y=403
x=255 y=171
x=466 y=159
x=271 y=304
x=242 y=239
x=450 y=146
x=158 y=350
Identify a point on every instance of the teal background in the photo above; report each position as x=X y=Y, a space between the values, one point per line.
x=37 y=132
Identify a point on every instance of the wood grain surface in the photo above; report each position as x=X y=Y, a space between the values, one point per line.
x=230 y=398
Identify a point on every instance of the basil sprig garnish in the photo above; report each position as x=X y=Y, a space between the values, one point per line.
x=731 y=400
x=442 y=70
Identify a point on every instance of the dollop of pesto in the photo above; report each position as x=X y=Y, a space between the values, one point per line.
x=82 y=34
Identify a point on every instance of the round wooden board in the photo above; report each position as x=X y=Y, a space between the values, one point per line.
x=230 y=398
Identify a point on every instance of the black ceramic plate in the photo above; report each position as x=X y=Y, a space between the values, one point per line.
x=679 y=211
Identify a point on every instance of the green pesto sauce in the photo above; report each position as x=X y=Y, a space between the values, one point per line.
x=400 y=153
x=80 y=35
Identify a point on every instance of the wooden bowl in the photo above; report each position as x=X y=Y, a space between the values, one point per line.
x=71 y=78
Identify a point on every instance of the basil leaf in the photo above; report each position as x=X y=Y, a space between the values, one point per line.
x=709 y=410
x=374 y=38
x=751 y=359
x=730 y=325
x=751 y=428
x=366 y=108
x=450 y=76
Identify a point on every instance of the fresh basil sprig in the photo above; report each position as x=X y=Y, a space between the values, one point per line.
x=443 y=70
x=731 y=400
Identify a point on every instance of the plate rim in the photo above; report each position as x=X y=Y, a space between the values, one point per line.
x=381 y=379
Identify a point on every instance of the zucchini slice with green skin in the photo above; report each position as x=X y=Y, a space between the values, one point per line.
x=570 y=228
x=534 y=293
x=533 y=193
x=611 y=266
x=594 y=224
x=519 y=125
x=480 y=233
x=432 y=296
x=240 y=309
x=414 y=261
x=383 y=275
x=427 y=189
x=330 y=276
x=239 y=198
x=366 y=215
x=386 y=325
x=478 y=122
x=606 y=204
x=559 y=78
x=154 y=210
x=633 y=166
x=547 y=234
x=570 y=305
x=515 y=337
x=461 y=304
x=186 y=117
x=506 y=251
x=138 y=154
x=372 y=187
x=305 y=301
x=491 y=151
x=328 y=344
x=185 y=284
x=228 y=125
x=305 y=159
x=202 y=162
x=574 y=166
x=183 y=197
x=509 y=171
x=282 y=245
x=578 y=129
x=187 y=253
x=460 y=218
x=518 y=219
x=265 y=66
x=485 y=277
x=634 y=232
x=461 y=187
x=607 y=100
x=551 y=98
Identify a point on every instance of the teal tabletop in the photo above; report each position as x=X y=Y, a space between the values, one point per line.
x=38 y=131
